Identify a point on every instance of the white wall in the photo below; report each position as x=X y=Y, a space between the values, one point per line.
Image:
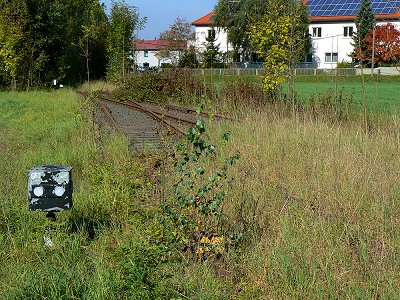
x=220 y=35
x=332 y=40
x=151 y=59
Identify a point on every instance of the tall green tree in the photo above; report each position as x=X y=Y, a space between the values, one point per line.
x=211 y=57
x=85 y=34
x=48 y=34
x=14 y=22
x=39 y=40
x=93 y=29
x=365 y=21
x=234 y=17
x=124 y=24
x=281 y=38
x=189 y=59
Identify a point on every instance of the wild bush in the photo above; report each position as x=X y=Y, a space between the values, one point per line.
x=180 y=84
x=195 y=210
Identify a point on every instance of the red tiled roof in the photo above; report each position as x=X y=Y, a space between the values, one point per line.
x=206 y=20
x=158 y=44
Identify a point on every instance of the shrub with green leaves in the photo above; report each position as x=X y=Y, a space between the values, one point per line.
x=196 y=206
x=179 y=84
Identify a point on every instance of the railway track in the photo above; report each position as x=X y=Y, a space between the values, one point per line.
x=148 y=124
x=142 y=131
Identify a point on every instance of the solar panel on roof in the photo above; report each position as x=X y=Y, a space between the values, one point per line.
x=349 y=7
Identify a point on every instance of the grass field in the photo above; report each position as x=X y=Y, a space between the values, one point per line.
x=56 y=128
x=381 y=92
x=101 y=246
x=317 y=203
x=321 y=201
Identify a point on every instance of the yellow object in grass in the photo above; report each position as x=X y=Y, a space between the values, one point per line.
x=207 y=245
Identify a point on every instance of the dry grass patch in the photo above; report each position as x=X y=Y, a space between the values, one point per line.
x=321 y=205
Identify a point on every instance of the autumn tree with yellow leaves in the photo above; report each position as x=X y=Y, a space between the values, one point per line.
x=281 y=38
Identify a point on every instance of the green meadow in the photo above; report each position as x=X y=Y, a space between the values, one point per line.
x=381 y=92
x=43 y=128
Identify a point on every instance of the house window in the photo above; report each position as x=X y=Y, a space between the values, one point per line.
x=146 y=53
x=316 y=31
x=348 y=31
x=331 y=57
x=211 y=33
x=146 y=65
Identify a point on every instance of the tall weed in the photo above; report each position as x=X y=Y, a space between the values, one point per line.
x=318 y=200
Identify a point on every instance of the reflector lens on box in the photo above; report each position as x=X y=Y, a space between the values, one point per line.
x=50 y=188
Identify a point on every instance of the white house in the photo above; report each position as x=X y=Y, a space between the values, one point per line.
x=331 y=28
x=204 y=28
x=146 y=52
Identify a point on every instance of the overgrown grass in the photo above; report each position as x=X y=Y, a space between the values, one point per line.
x=225 y=93
x=317 y=199
x=98 y=85
x=50 y=128
x=320 y=205
x=102 y=248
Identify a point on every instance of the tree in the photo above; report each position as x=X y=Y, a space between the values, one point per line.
x=386 y=45
x=211 y=55
x=14 y=20
x=281 y=38
x=365 y=21
x=93 y=27
x=235 y=16
x=39 y=40
x=180 y=30
x=86 y=21
x=176 y=38
x=189 y=59
x=124 y=22
x=48 y=35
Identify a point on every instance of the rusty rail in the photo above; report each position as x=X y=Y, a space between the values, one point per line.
x=151 y=113
x=104 y=108
x=161 y=117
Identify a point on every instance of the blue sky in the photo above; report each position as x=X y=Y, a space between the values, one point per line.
x=161 y=13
